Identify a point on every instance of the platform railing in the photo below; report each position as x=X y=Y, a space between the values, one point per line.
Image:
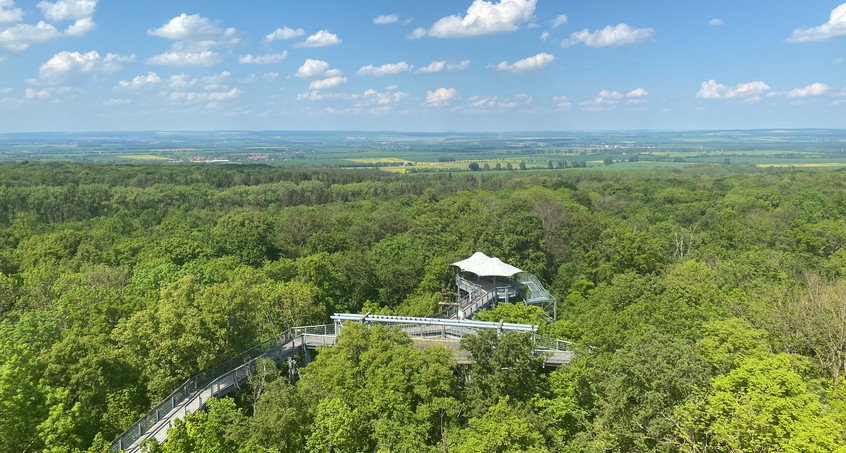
x=205 y=378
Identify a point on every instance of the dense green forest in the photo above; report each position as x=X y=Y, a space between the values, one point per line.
x=708 y=305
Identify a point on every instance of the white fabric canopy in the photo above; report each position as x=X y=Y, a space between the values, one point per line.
x=485 y=266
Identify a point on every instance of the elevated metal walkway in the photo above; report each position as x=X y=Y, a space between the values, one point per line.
x=484 y=293
x=231 y=374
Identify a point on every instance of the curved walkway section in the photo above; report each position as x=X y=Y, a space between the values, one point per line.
x=231 y=374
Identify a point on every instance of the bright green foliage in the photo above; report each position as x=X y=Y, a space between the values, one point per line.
x=518 y=313
x=205 y=431
x=502 y=428
x=644 y=382
x=118 y=282
x=503 y=366
x=763 y=405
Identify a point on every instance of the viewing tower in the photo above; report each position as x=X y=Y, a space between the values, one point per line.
x=484 y=281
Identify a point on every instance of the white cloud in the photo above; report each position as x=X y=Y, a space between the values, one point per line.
x=386 y=19
x=496 y=104
x=9 y=14
x=208 y=83
x=67 y=9
x=637 y=93
x=284 y=33
x=418 y=33
x=37 y=94
x=312 y=69
x=715 y=21
x=66 y=66
x=206 y=58
x=814 y=89
x=266 y=77
x=194 y=38
x=138 y=82
x=80 y=27
x=441 y=65
x=271 y=58
x=17 y=36
x=391 y=95
x=385 y=69
x=836 y=26
x=117 y=101
x=193 y=97
x=328 y=83
x=609 y=100
x=482 y=18
x=561 y=102
x=750 y=91
x=534 y=63
x=616 y=36
x=56 y=93
x=320 y=39
x=544 y=36
x=559 y=20
x=440 y=97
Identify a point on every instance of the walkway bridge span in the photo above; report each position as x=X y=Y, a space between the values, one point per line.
x=228 y=376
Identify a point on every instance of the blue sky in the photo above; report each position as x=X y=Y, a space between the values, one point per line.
x=435 y=65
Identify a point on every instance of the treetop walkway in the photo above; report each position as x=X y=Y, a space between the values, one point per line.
x=232 y=373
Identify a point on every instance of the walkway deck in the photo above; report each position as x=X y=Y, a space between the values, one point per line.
x=231 y=374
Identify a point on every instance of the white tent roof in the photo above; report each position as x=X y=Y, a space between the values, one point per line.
x=485 y=266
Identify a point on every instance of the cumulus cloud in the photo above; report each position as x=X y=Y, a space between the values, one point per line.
x=559 y=20
x=748 y=92
x=836 y=26
x=534 y=63
x=496 y=104
x=266 y=77
x=637 y=95
x=139 y=82
x=609 y=100
x=320 y=39
x=117 y=101
x=385 y=69
x=316 y=68
x=62 y=10
x=9 y=14
x=194 y=38
x=270 y=58
x=814 y=89
x=17 y=36
x=328 y=83
x=715 y=21
x=616 y=36
x=440 y=97
x=67 y=66
x=386 y=19
x=205 y=58
x=284 y=33
x=482 y=18
x=56 y=94
x=561 y=102
x=544 y=36
x=417 y=33
x=208 y=83
x=443 y=65
x=194 y=97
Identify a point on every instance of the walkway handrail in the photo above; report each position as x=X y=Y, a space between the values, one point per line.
x=202 y=379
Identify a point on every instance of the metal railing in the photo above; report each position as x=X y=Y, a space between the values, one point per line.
x=553 y=343
x=226 y=376
x=242 y=364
